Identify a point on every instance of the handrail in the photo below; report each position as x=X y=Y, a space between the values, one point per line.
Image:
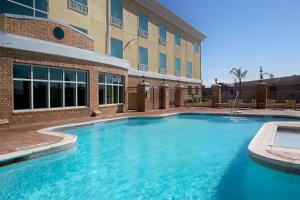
x=233 y=105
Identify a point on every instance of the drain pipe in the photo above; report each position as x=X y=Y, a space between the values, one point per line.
x=108 y=28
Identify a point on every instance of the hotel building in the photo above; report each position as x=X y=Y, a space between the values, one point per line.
x=65 y=58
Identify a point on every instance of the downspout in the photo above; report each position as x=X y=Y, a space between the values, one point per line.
x=108 y=28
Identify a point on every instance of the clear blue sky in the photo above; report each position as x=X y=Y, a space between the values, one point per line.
x=244 y=33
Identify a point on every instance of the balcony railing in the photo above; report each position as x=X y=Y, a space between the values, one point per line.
x=143 y=33
x=79 y=7
x=162 y=70
x=177 y=73
x=162 y=41
x=189 y=75
x=143 y=67
x=116 y=22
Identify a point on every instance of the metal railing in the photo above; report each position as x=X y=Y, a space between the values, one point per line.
x=162 y=70
x=77 y=6
x=143 y=33
x=162 y=41
x=116 y=22
x=143 y=67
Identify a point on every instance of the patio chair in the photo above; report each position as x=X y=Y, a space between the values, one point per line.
x=222 y=105
x=245 y=104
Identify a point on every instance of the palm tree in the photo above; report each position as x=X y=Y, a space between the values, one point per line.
x=239 y=74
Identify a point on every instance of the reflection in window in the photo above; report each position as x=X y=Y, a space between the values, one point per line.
x=38 y=87
x=37 y=8
x=111 y=89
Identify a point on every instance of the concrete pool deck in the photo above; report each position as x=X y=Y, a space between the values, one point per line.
x=24 y=140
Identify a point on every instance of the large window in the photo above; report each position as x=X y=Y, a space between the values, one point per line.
x=162 y=63
x=116 y=13
x=162 y=34
x=111 y=89
x=177 y=67
x=189 y=70
x=143 y=21
x=40 y=87
x=37 y=8
x=177 y=39
x=116 y=48
x=143 y=59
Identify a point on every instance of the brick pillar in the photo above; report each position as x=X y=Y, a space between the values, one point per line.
x=143 y=99
x=164 y=96
x=261 y=95
x=216 y=94
x=179 y=96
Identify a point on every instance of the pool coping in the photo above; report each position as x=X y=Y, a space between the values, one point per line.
x=262 y=149
x=68 y=140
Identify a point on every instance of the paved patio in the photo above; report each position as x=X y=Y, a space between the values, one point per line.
x=16 y=138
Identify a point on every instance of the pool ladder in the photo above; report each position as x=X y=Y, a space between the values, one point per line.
x=233 y=105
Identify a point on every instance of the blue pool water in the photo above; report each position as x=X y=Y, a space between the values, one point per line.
x=180 y=157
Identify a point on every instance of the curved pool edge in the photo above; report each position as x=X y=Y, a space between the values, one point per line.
x=262 y=151
x=68 y=141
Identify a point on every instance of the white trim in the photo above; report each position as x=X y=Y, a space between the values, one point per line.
x=133 y=72
x=8 y=40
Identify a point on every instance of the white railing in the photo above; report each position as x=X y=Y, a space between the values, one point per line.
x=143 y=67
x=189 y=75
x=177 y=73
x=143 y=33
x=162 y=70
x=77 y=6
x=162 y=41
x=116 y=22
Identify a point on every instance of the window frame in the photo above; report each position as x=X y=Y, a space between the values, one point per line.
x=177 y=39
x=162 y=69
x=49 y=81
x=33 y=8
x=177 y=73
x=189 y=71
x=107 y=84
x=122 y=48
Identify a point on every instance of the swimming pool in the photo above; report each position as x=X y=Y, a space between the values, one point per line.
x=179 y=157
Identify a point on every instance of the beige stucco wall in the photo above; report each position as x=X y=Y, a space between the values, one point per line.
x=96 y=24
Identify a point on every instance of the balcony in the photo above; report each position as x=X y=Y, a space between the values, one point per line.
x=143 y=67
x=143 y=33
x=116 y=22
x=79 y=7
x=162 y=41
x=177 y=73
x=162 y=70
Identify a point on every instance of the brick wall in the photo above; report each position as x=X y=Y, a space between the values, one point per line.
x=43 y=30
x=9 y=56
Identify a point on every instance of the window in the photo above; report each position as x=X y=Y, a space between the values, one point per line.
x=177 y=67
x=38 y=87
x=116 y=12
x=196 y=47
x=116 y=48
x=162 y=34
x=37 y=8
x=189 y=70
x=79 y=6
x=143 y=59
x=177 y=39
x=143 y=25
x=80 y=29
x=111 y=89
x=162 y=63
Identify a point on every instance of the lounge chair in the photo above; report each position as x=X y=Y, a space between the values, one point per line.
x=297 y=107
x=281 y=105
x=222 y=105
